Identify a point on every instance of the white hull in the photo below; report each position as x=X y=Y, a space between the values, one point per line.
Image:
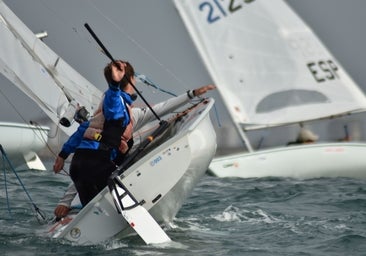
x=21 y=142
x=163 y=179
x=343 y=159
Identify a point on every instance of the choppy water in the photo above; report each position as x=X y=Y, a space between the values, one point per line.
x=268 y=216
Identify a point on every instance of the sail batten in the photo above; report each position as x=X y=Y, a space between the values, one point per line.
x=255 y=126
x=268 y=65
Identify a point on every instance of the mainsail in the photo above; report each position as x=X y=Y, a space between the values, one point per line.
x=269 y=66
x=40 y=73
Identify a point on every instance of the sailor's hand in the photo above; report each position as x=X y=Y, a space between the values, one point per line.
x=118 y=71
x=61 y=211
x=203 y=89
x=59 y=164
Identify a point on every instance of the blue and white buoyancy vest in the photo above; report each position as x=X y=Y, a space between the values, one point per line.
x=109 y=124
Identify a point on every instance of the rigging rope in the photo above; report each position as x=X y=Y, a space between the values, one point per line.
x=40 y=215
x=6 y=186
x=148 y=82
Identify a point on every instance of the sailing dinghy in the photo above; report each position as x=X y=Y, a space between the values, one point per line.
x=163 y=168
x=160 y=181
x=271 y=70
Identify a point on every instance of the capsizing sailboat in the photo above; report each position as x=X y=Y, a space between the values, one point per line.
x=271 y=71
x=166 y=164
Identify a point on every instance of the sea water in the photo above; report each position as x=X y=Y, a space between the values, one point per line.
x=231 y=216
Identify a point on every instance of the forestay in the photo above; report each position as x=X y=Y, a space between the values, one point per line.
x=268 y=65
x=39 y=72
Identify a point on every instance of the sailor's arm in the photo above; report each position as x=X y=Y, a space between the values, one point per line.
x=143 y=116
x=64 y=205
x=69 y=147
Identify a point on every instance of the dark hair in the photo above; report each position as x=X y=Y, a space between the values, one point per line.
x=129 y=72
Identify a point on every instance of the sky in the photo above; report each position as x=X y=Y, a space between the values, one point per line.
x=151 y=35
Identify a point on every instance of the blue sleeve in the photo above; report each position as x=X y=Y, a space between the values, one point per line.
x=114 y=107
x=73 y=142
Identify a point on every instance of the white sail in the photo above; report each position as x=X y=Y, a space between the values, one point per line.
x=269 y=66
x=35 y=69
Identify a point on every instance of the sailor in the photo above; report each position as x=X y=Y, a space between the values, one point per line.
x=91 y=165
x=92 y=129
x=305 y=136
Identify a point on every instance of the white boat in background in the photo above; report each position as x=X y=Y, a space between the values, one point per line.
x=21 y=143
x=163 y=168
x=271 y=70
